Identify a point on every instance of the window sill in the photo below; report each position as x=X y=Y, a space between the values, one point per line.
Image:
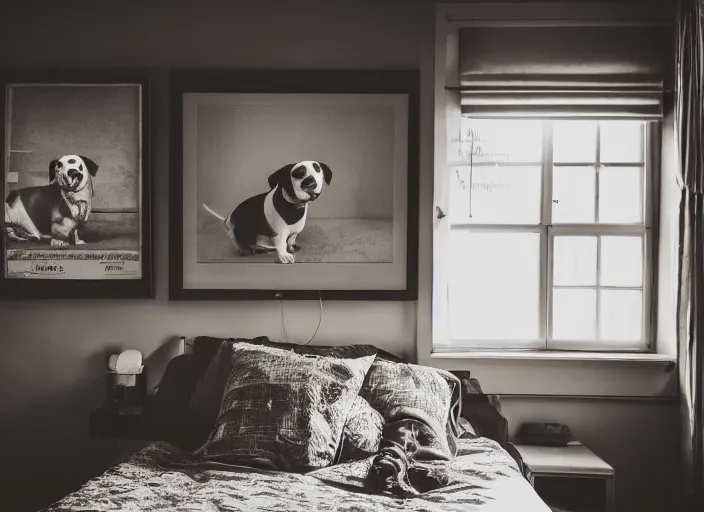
x=558 y=355
x=589 y=374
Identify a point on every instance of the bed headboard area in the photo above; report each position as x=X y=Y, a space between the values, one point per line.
x=170 y=415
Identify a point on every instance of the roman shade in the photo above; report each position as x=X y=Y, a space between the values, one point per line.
x=614 y=70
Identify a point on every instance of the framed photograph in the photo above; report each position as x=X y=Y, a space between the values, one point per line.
x=76 y=185
x=294 y=185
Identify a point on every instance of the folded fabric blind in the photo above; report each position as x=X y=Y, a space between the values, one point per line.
x=618 y=71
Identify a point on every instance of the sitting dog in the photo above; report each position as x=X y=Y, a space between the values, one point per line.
x=271 y=221
x=55 y=211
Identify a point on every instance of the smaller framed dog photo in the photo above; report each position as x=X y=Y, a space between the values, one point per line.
x=294 y=185
x=75 y=185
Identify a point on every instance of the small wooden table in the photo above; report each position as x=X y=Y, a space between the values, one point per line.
x=570 y=477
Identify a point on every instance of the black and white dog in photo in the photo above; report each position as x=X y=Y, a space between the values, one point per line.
x=55 y=211
x=271 y=221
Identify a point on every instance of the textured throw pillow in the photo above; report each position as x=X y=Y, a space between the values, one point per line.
x=284 y=410
x=362 y=433
x=430 y=395
x=207 y=396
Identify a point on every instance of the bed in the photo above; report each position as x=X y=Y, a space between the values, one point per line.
x=252 y=424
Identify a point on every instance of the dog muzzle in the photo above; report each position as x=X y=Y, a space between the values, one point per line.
x=70 y=180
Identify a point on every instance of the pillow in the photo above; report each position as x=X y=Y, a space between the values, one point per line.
x=362 y=433
x=207 y=395
x=431 y=395
x=208 y=392
x=483 y=411
x=284 y=410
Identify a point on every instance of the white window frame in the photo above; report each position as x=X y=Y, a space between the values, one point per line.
x=449 y=20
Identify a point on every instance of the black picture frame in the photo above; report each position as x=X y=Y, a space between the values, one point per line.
x=142 y=285
x=288 y=82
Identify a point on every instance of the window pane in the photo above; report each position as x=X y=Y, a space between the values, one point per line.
x=621 y=315
x=573 y=194
x=621 y=261
x=620 y=194
x=575 y=260
x=621 y=141
x=490 y=194
x=501 y=140
x=574 y=141
x=494 y=285
x=573 y=314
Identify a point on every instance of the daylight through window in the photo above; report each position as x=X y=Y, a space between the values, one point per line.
x=549 y=234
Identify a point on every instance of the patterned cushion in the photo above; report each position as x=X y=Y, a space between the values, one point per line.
x=207 y=396
x=362 y=433
x=400 y=390
x=284 y=410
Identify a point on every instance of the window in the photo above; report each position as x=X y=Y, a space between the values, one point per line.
x=548 y=127
x=549 y=234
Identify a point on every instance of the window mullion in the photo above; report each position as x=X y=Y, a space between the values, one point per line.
x=546 y=197
x=546 y=246
x=597 y=168
x=546 y=299
x=598 y=287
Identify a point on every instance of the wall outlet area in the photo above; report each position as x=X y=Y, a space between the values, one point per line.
x=13 y=177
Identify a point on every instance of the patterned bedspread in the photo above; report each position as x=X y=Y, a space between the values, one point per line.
x=483 y=477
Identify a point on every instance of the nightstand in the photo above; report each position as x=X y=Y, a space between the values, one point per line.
x=107 y=423
x=570 y=478
x=180 y=427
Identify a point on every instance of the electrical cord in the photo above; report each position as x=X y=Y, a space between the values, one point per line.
x=320 y=317
x=283 y=318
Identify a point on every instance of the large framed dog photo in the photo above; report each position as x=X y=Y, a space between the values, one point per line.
x=294 y=185
x=76 y=186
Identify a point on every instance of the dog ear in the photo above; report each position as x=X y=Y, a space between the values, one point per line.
x=90 y=164
x=52 y=170
x=327 y=173
x=281 y=174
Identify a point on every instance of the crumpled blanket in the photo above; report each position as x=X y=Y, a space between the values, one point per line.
x=392 y=471
x=164 y=478
x=409 y=436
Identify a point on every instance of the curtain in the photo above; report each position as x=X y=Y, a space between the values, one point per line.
x=689 y=119
x=616 y=70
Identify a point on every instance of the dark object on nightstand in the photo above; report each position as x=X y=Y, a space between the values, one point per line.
x=107 y=423
x=544 y=434
x=122 y=416
x=125 y=394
